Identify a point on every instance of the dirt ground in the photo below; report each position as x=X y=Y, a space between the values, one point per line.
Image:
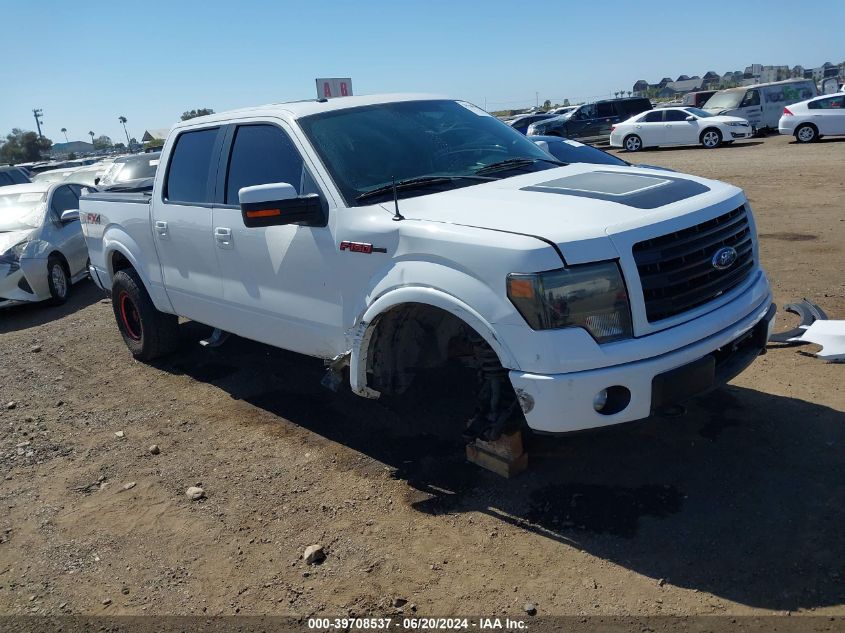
x=738 y=507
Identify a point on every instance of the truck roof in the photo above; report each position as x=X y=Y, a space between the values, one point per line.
x=298 y=109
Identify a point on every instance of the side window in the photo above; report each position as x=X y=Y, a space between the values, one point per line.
x=655 y=116
x=752 y=98
x=187 y=173
x=605 y=109
x=63 y=199
x=262 y=154
x=5 y=179
x=676 y=115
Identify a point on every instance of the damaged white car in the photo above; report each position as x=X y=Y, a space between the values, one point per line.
x=42 y=250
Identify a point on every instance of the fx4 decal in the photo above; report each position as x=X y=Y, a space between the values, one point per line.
x=361 y=247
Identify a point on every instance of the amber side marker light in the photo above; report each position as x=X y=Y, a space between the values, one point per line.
x=263 y=213
x=521 y=288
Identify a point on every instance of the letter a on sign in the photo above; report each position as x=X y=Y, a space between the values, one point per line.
x=329 y=88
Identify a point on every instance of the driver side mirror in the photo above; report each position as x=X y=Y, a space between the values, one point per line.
x=690 y=118
x=277 y=204
x=70 y=215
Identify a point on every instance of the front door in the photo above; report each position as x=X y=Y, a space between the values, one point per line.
x=67 y=237
x=280 y=283
x=182 y=226
x=677 y=130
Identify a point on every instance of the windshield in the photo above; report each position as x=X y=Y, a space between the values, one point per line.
x=724 y=100
x=369 y=147
x=132 y=169
x=701 y=114
x=21 y=211
x=52 y=176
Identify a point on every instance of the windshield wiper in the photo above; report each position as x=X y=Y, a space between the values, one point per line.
x=512 y=163
x=414 y=183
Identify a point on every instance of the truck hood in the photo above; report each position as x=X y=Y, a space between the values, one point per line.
x=577 y=207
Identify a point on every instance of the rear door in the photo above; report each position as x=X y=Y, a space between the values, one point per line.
x=649 y=127
x=280 y=283
x=182 y=226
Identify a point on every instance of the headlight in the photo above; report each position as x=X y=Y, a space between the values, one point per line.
x=590 y=296
x=13 y=256
x=738 y=124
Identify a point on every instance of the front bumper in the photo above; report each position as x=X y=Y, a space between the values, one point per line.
x=743 y=134
x=24 y=282
x=561 y=403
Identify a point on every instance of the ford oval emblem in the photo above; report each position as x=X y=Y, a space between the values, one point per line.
x=724 y=258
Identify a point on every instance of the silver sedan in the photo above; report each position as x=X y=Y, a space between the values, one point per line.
x=42 y=250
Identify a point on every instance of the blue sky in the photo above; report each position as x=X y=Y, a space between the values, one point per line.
x=87 y=62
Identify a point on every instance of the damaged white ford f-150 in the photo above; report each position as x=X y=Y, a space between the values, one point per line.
x=393 y=234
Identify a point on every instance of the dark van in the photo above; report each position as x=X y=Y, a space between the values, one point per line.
x=591 y=122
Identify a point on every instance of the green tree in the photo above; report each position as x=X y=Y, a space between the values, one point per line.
x=547 y=104
x=102 y=142
x=192 y=114
x=71 y=156
x=21 y=146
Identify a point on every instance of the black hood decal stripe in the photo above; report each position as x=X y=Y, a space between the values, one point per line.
x=634 y=190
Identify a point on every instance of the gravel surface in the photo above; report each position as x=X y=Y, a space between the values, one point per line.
x=737 y=507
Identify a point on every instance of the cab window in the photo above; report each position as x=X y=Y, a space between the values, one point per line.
x=752 y=98
x=676 y=115
x=190 y=161
x=263 y=154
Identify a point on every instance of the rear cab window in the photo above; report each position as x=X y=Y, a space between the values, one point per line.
x=188 y=171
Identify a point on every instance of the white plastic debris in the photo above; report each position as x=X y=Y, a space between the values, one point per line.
x=830 y=335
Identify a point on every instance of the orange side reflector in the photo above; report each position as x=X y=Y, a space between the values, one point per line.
x=263 y=213
x=522 y=288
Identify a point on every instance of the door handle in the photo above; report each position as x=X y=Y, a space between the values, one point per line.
x=223 y=235
x=161 y=227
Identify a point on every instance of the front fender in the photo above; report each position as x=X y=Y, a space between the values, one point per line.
x=427 y=295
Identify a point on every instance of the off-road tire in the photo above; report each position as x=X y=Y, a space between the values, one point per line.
x=148 y=333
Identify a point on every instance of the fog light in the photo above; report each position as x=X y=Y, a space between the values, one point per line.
x=600 y=400
x=612 y=400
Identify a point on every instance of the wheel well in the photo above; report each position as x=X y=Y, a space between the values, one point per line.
x=413 y=337
x=707 y=129
x=119 y=262
x=806 y=124
x=61 y=259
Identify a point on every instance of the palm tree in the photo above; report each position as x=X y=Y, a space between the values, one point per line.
x=123 y=120
x=91 y=134
x=64 y=131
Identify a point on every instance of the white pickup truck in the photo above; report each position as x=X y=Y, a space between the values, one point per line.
x=392 y=234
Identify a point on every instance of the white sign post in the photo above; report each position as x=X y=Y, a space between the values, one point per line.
x=329 y=88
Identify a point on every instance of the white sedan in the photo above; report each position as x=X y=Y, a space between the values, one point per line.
x=42 y=249
x=678 y=126
x=809 y=120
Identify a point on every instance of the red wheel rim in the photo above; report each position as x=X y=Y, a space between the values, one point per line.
x=130 y=317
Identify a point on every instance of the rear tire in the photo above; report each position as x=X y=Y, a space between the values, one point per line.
x=711 y=138
x=58 y=280
x=148 y=333
x=806 y=133
x=632 y=143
